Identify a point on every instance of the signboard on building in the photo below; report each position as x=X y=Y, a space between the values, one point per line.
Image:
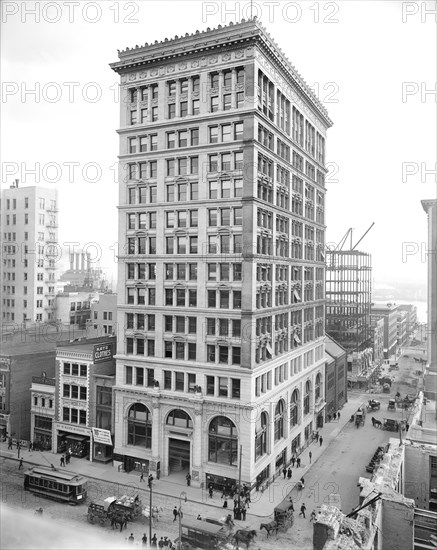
x=102 y=436
x=102 y=353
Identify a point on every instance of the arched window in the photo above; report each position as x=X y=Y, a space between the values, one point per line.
x=261 y=430
x=294 y=408
x=279 y=420
x=306 y=399
x=139 y=426
x=222 y=441
x=178 y=417
x=317 y=387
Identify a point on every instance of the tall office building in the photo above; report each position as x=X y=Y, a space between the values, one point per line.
x=221 y=261
x=29 y=228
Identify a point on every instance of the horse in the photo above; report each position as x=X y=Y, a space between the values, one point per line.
x=376 y=423
x=244 y=536
x=119 y=520
x=271 y=527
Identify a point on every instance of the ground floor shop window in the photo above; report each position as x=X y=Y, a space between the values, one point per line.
x=139 y=428
x=223 y=441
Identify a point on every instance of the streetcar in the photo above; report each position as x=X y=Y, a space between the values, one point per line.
x=56 y=484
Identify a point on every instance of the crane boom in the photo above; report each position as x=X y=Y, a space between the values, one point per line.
x=373 y=223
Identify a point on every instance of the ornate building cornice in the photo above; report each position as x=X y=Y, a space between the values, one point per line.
x=244 y=35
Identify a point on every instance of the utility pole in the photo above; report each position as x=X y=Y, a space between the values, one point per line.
x=239 y=480
x=150 y=511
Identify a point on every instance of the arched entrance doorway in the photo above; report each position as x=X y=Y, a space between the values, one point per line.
x=179 y=442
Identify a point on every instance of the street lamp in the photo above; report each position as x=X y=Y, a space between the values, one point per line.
x=183 y=495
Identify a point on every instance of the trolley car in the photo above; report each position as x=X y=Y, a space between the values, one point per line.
x=56 y=484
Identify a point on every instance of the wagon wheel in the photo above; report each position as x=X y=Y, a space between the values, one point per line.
x=90 y=518
x=103 y=520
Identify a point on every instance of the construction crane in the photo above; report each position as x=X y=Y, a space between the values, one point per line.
x=340 y=245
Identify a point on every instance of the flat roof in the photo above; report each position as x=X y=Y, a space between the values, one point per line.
x=333 y=348
x=84 y=345
x=64 y=475
x=26 y=342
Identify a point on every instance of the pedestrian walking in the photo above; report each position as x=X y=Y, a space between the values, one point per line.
x=310 y=455
x=407 y=427
x=10 y=443
x=298 y=462
x=131 y=538
x=142 y=477
x=30 y=446
x=211 y=491
x=62 y=461
x=161 y=542
x=329 y=418
x=302 y=510
x=313 y=516
x=335 y=416
x=289 y=473
x=284 y=472
x=199 y=517
x=17 y=444
x=153 y=540
x=175 y=514
x=338 y=415
x=144 y=541
x=243 y=513
x=293 y=460
x=20 y=466
x=317 y=436
x=291 y=507
x=247 y=501
x=321 y=440
x=67 y=458
x=225 y=503
x=188 y=478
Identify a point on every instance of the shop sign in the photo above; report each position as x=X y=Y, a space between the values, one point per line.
x=73 y=429
x=102 y=436
x=102 y=353
x=5 y=362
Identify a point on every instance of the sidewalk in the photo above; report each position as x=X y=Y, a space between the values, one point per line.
x=262 y=504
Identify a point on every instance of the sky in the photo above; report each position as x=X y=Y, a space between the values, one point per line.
x=372 y=64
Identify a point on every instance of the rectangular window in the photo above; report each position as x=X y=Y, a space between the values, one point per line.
x=167 y=380
x=210 y=385
x=214 y=104
x=179 y=381
x=128 y=375
x=223 y=387
x=227 y=101
x=235 y=388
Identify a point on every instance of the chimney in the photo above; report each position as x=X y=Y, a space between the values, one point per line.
x=16 y=183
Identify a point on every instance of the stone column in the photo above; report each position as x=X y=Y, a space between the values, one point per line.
x=156 y=436
x=196 y=461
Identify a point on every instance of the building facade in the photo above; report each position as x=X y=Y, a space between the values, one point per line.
x=81 y=424
x=377 y=326
x=335 y=376
x=29 y=232
x=401 y=329
x=389 y=313
x=42 y=412
x=430 y=207
x=104 y=314
x=411 y=312
x=221 y=264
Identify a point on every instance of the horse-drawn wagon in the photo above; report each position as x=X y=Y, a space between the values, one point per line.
x=360 y=416
x=283 y=514
x=202 y=534
x=373 y=405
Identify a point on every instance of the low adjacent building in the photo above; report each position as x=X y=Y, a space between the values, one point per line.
x=85 y=370
x=335 y=376
x=24 y=355
x=42 y=411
